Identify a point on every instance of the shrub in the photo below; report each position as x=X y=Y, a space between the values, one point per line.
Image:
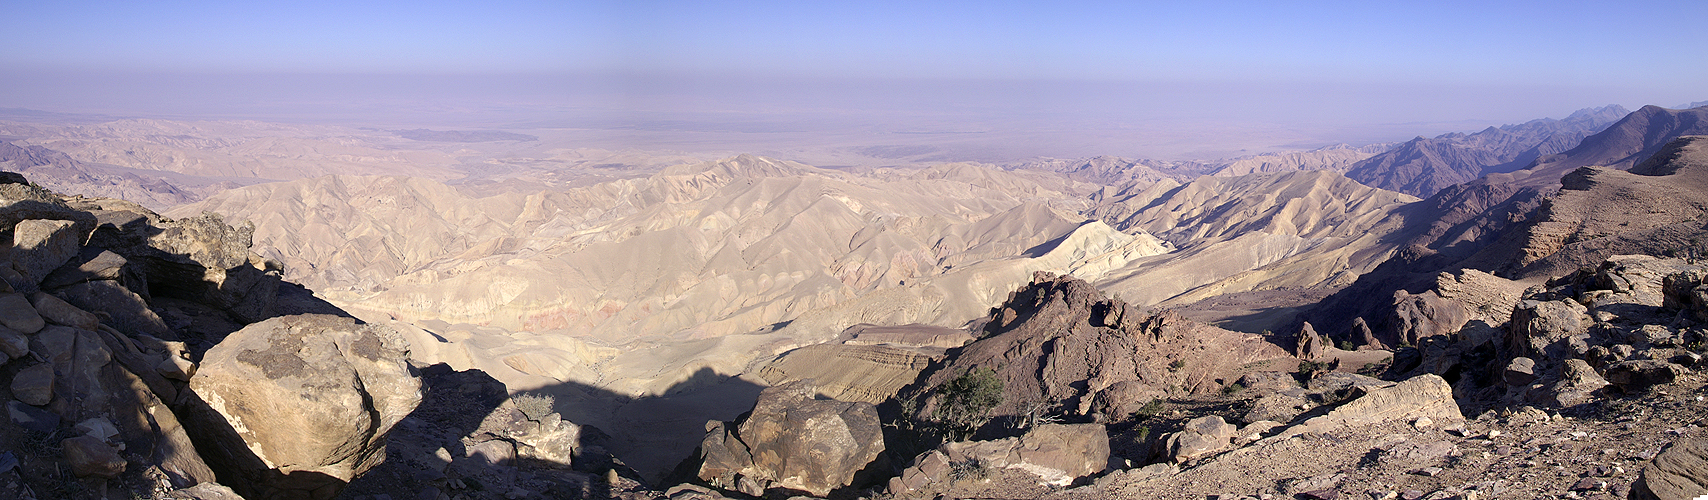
x=534 y=406
x=970 y=469
x=1309 y=369
x=1176 y=365
x=968 y=399
x=1149 y=410
x=1232 y=389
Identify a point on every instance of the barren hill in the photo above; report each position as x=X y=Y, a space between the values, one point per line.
x=1422 y=166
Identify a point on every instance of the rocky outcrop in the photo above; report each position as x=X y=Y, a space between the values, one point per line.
x=1201 y=437
x=1680 y=472
x=300 y=405
x=1054 y=454
x=1309 y=344
x=1366 y=337
x=1424 y=396
x=793 y=442
x=95 y=385
x=1060 y=347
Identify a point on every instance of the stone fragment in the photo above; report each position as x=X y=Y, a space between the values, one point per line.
x=1639 y=374
x=17 y=313
x=89 y=456
x=99 y=428
x=34 y=385
x=1201 y=437
x=1421 y=396
x=90 y=264
x=1521 y=371
x=176 y=367
x=60 y=312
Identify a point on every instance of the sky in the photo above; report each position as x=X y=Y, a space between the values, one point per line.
x=1330 y=67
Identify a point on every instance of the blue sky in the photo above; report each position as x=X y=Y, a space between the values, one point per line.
x=1275 y=61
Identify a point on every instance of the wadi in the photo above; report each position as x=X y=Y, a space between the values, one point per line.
x=214 y=309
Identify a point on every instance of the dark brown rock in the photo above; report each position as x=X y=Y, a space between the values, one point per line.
x=1366 y=338
x=89 y=456
x=1310 y=344
x=1638 y=374
x=794 y=442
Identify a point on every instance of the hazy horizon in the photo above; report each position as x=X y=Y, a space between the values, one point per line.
x=984 y=81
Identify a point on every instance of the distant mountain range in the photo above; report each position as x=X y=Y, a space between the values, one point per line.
x=1422 y=166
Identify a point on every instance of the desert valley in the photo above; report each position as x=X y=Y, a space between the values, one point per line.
x=214 y=308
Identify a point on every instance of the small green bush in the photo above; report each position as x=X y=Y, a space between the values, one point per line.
x=1149 y=410
x=1176 y=365
x=1310 y=368
x=968 y=399
x=534 y=406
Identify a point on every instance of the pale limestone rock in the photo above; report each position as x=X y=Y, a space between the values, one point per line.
x=1421 y=396
x=298 y=405
x=39 y=246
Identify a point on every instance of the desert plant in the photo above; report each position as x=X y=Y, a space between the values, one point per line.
x=1232 y=389
x=1176 y=365
x=534 y=406
x=967 y=400
x=1309 y=369
x=1149 y=410
x=970 y=469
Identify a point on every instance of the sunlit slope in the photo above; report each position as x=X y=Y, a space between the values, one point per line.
x=1251 y=232
x=697 y=251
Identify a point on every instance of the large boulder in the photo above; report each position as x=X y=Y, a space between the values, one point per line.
x=1539 y=327
x=794 y=442
x=1578 y=384
x=40 y=246
x=1202 y=437
x=1425 y=315
x=1056 y=454
x=1680 y=472
x=1423 y=396
x=297 y=406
